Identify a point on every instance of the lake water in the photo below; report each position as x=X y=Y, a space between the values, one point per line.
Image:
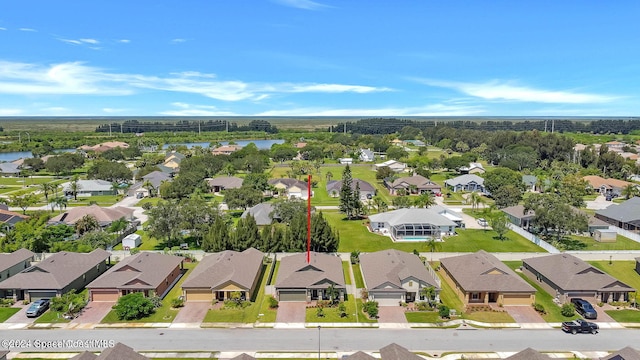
x=261 y=144
x=15 y=155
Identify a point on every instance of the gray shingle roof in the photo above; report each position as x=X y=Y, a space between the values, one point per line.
x=528 y=354
x=288 y=182
x=359 y=356
x=336 y=185
x=392 y=267
x=465 y=179
x=571 y=273
x=104 y=215
x=261 y=213
x=56 y=272
x=120 y=352
x=145 y=270
x=220 y=268
x=625 y=212
x=517 y=211
x=9 y=168
x=295 y=272
x=227 y=182
x=397 y=352
x=414 y=215
x=89 y=185
x=243 y=357
x=14 y=258
x=627 y=353
x=482 y=271
x=419 y=181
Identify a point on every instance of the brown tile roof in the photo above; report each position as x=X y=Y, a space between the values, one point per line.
x=295 y=272
x=386 y=267
x=627 y=353
x=359 y=356
x=571 y=273
x=145 y=270
x=11 y=217
x=226 y=149
x=218 y=269
x=397 y=352
x=104 y=215
x=14 y=258
x=56 y=272
x=482 y=271
x=528 y=354
x=597 y=181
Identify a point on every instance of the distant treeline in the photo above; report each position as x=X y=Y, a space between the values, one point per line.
x=135 y=126
x=392 y=125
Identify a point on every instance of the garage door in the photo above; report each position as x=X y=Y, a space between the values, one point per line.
x=387 y=299
x=517 y=299
x=37 y=295
x=104 y=295
x=199 y=295
x=293 y=295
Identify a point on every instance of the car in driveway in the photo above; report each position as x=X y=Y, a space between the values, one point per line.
x=37 y=308
x=580 y=326
x=584 y=308
x=483 y=222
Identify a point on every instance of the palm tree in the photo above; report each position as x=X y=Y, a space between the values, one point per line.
x=119 y=225
x=425 y=200
x=86 y=224
x=380 y=204
x=229 y=170
x=429 y=293
x=433 y=245
x=475 y=199
x=46 y=189
x=74 y=186
x=60 y=202
x=328 y=176
x=629 y=191
x=150 y=188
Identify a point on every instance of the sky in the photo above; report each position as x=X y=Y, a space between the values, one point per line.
x=365 y=58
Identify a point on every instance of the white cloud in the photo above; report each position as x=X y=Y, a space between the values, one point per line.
x=113 y=110
x=10 y=112
x=501 y=90
x=28 y=29
x=335 y=88
x=124 y=41
x=302 y=4
x=178 y=41
x=3 y=28
x=90 y=41
x=429 y=110
x=71 y=41
x=185 y=109
x=81 y=42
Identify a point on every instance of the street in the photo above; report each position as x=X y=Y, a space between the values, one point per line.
x=436 y=340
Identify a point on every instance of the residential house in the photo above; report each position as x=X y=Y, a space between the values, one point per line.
x=625 y=215
x=627 y=353
x=397 y=142
x=530 y=182
x=152 y=274
x=221 y=183
x=392 y=277
x=367 y=191
x=395 y=166
x=154 y=179
x=473 y=168
x=565 y=276
x=217 y=276
x=415 y=224
x=9 y=169
x=345 y=161
x=13 y=263
x=412 y=185
x=102 y=147
x=480 y=278
x=88 y=188
x=615 y=146
x=290 y=188
x=418 y=143
x=299 y=280
x=529 y=354
x=467 y=182
x=172 y=160
x=366 y=155
x=262 y=213
x=606 y=186
x=526 y=220
x=104 y=215
x=117 y=352
x=8 y=219
x=300 y=145
x=359 y=356
x=56 y=275
x=397 y=352
x=226 y=149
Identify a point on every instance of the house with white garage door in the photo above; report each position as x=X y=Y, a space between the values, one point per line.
x=219 y=274
x=299 y=280
x=392 y=277
x=56 y=275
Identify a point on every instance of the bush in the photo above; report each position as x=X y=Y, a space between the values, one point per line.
x=319 y=312
x=147 y=206
x=133 y=306
x=371 y=308
x=69 y=303
x=539 y=308
x=342 y=310
x=177 y=302
x=568 y=310
x=423 y=306
x=6 y=302
x=443 y=311
x=156 y=301
x=273 y=303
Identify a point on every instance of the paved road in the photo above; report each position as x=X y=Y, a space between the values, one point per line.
x=464 y=340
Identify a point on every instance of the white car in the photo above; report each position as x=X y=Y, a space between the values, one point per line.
x=482 y=222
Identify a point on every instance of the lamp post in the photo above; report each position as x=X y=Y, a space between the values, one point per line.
x=319 y=342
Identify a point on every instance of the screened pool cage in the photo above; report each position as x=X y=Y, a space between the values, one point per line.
x=417 y=231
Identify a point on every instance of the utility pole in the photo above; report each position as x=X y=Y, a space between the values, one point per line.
x=109 y=130
x=545 y=125
x=199 y=132
x=345 y=127
x=553 y=125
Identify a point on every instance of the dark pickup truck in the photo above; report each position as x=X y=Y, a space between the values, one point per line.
x=579 y=326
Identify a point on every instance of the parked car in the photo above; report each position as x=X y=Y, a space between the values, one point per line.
x=584 y=308
x=580 y=326
x=38 y=307
x=483 y=222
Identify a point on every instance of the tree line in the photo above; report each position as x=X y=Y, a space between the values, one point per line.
x=136 y=126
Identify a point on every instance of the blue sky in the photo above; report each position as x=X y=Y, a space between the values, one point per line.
x=319 y=58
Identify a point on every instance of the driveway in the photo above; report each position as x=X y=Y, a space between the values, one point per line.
x=599 y=203
x=21 y=316
x=391 y=314
x=193 y=312
x=94 y=312
x=524 y=314
x=291 y=312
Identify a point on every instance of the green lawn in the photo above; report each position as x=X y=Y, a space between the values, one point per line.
x=148 y=242
x=162 y=314
x=447 y=295
x=542 y=297
x=268 y=314
x=272 y=281
x=621 y=243
x=331 y=315
x=357 y=274
x=24 y=181
x=354 y=235
x=7 y=312
x=625 y=316
x=248 y=314
x=154 y=201
x=490 y=316
x=51 y=317
x=346 y=272
x=422 y=316
x=621 y=270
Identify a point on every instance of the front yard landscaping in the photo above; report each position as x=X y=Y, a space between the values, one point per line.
x=7 y=312
x=357 y=274
x=625 y=316
x=346 y=270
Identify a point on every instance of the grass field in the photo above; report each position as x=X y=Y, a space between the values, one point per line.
x=621 y=270
x=7 y=312
x=447 y=295
x=332 y=315
x=490 y=316
x=621 y=243
x=422 y=316
x=347 y=272
x=357 y=274
x=51 y=317
x=627 y=316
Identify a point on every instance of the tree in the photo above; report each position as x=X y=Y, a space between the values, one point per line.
x=162 y=221
x=384 y=172
x=380 y=204
x=70 y=304
x=87 y=224
x=429 y=294
x=555 y=215
x=328 y=176
x=400 y=202
x=629 y=191
x=110 y=171
x=74 y=186
x=119 y=225
x=350 y=205
x=46 y=189
x=475 y=199
x=284 y=210
x=218 y=237
x=396 y=153
x=499 y=223
x=332 y=293
x=433 y=245
x=242 y=198
x=23 y=201
x=507 y=195
x=147 y=184
x=60 y=202
x=133 y=306
x=425 y=200
x=247 y=234
x=501 y=177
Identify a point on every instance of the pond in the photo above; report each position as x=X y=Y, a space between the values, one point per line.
x=261 y=144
